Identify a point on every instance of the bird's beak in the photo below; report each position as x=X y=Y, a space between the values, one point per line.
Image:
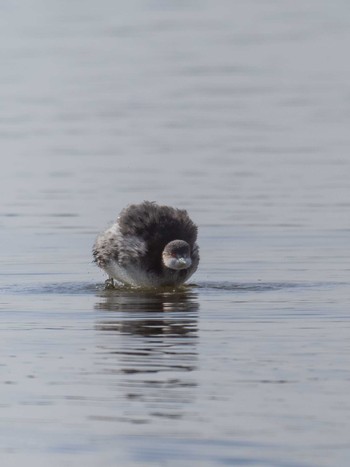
x=182 y=261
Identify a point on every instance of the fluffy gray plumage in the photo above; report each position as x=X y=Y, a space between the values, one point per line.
x=133 y=249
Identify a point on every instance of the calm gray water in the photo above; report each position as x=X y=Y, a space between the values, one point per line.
x=238 y=111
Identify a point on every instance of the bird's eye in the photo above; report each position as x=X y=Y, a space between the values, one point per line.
x=173 y=255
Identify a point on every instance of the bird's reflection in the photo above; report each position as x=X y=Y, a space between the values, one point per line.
x=128 y=299
x=147 y=343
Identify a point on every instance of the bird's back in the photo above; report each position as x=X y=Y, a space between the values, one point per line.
x=156 y=226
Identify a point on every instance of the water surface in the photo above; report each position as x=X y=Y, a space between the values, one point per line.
x=236 y=111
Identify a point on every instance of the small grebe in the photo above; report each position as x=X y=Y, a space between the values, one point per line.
x=149 y=246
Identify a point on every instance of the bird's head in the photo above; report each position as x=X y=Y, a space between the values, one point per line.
x=177 y=255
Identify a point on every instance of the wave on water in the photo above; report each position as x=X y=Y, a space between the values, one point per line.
x=65 y=288
x=249 y=286
x=83 y=288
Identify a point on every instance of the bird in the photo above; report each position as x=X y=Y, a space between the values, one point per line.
x=149 y=245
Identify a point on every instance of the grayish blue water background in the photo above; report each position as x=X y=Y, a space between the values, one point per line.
x=238 y=111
